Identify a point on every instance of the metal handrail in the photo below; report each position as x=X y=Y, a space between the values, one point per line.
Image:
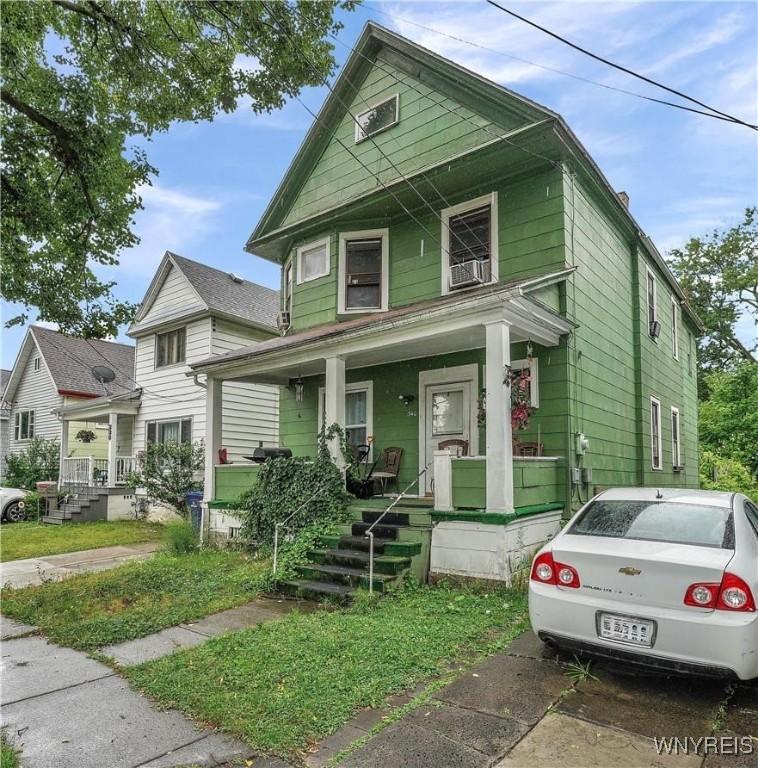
x=289 y=517
x=369 y=534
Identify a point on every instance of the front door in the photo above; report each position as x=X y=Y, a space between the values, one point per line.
x=447 y=417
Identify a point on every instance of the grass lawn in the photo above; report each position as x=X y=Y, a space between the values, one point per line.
x=8 y=754
x=281 y=686
x=136 y=599
x=21 y=540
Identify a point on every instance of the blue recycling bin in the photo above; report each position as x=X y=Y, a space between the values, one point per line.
x=195 y=504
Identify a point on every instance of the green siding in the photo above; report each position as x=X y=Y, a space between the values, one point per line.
x=232 y=480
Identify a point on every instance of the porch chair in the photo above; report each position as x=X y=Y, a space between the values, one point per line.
x=390 y=467
x=528 y=449
x=459 y=446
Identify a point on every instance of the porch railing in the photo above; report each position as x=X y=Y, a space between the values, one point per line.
x=91 y=471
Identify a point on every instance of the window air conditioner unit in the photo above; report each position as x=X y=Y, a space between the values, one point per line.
x=469 y=273
x=283 y=321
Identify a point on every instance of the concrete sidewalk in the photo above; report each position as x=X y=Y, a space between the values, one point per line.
x=35 y=570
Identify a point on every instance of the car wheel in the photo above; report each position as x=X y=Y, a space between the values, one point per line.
x=15 y=512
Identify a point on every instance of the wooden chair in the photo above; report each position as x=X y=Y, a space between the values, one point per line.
x=528 y=449
x=460 y=446
x=390 y=467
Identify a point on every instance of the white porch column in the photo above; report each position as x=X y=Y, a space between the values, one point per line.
x=499 y=445
x=334 y=405
x=443 y=481
x=112 y=448
x=64 y=448
x=213 y=405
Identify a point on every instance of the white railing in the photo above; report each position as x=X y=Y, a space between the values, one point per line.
x=90 y=471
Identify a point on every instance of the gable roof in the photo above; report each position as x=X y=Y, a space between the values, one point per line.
x=69 y=361
x=219 y=291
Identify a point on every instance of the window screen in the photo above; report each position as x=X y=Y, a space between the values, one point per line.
x=363 y=274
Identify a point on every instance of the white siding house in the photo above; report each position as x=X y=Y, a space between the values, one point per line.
x=5 y=419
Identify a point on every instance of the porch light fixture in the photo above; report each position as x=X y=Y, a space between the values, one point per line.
x=529 y=350
x=407 y=401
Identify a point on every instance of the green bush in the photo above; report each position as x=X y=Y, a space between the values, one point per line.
x=181 y=538
x=39 y=461
x=718 y=473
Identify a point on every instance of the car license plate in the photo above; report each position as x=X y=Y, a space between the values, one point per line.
x=623 y=629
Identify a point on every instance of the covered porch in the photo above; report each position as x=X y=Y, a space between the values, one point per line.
x=117 y=415
x=433 y=380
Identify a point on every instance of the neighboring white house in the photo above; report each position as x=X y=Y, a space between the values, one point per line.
x=53 y=371
x=5 y=418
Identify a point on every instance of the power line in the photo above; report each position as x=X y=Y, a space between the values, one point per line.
x=724 y=115
x=547 y=68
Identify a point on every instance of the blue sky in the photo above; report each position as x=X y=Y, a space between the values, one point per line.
x=685 y=174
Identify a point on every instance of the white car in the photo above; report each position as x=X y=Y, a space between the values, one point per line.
x=664 y=578
x=12 y=505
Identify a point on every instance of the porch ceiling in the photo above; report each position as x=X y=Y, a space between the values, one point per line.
x=450 y=326
x=100 y=409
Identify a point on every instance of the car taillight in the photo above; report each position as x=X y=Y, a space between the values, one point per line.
x=547 y=571
x=732 y=594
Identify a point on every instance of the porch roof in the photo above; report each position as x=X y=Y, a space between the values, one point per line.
x=100 y=408
x=450 y=323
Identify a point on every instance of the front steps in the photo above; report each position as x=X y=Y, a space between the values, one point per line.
x=339 y=566
x=82 y=505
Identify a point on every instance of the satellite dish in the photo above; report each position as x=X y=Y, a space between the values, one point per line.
x=103 y=374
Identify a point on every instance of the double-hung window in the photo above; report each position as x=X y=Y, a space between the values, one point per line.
x=470 y=243
x=674 y=328
x=364 y=259
x=656 y=444
x=312 y=261
x=170 y=431
x=287 y=288
x=359 y=406
x=170 y=348
x=23 y=428
x=676 y=439
x=652 y=305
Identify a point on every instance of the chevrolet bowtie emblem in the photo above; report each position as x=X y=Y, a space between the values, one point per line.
x=629 y=571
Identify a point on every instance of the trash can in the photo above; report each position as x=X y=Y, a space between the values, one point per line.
x=195 y=504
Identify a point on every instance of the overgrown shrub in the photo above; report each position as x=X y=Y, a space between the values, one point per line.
x=168 y=471
x=39 y=461
x=718 y=473
x=181 y=538
x=312 y=489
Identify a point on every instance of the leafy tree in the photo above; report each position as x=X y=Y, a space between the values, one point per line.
x=729 y=418
x=39 y=461
x=168 y=471
x=718 y=473
x=84 y=84
x=719 y=273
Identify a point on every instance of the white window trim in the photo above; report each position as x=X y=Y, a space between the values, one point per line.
x=181 y=363
x=326 y=242
x=358 y=130
x=289 y=263
x=364 y=234
x=356 y=386
x=455 y=210
x=31 y=423
x=534 y=377
x=177 y=419
x=674 y=328
x=660 y=435
x=649 y=274
x=676 y=438
x=36 y=363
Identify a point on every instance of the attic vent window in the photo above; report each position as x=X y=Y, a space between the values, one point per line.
x=380 y=117
x=236 y=278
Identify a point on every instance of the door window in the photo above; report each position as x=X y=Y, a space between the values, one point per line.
x=447 y=413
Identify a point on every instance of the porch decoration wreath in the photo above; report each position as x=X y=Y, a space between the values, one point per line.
x=521 y=409
x=86 y=436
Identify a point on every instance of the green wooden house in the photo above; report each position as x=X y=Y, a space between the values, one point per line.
x=438 y=232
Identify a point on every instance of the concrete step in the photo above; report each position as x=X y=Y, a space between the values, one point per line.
x=52 y=520
x=354 y=558
x=351 y=577
x=318 y=590
x=382 y=530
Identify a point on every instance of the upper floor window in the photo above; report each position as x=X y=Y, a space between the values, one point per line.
x=676 y=439
x=287 y=287
x=23 y=428
x=313 y=261
x=470 y=243
x=363 y=267
x=36 y=364
x=674 y=328
x=656 y=443
x=380 y=117
x=653 y=326
x=174 y=431
x=170 y=348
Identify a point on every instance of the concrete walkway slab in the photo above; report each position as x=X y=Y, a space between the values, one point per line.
x=31 y=666
x=153 y=646
x=508 y=686
x=559 y=740
x=10 y=628
x=212 y=750
x=33 y=571
x=245 y=616
x=103 y=723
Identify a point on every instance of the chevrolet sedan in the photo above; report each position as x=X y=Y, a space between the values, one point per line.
x=659 y=578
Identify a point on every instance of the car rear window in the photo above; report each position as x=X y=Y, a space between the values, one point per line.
x=674 y=522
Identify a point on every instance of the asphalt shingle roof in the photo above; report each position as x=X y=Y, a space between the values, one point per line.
x=248 y=301
x=70 y=361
